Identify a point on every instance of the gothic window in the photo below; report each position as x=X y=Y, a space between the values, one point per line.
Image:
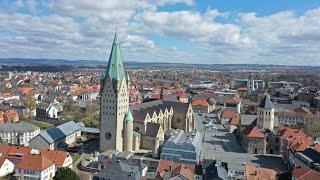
x=108 y=135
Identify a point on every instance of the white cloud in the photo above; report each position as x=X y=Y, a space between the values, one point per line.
x=84 y=29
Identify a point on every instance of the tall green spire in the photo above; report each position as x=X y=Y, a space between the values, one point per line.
x=115 y=67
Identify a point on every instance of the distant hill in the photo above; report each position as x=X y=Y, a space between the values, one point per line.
x=102 y=64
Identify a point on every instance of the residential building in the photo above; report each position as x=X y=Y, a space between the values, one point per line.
x=11 y=115
x=59 y=158
x=35 y=166
x=200 y=106
x=60 y=136
x=230 y=118
x=257 y=173
x=18 y=133
x=233 y=103
x=211 y=170
x=116 y=170
x=284 y=84
x=301 y=173
x=298 y=116
x=309 y=158
x=6 y=166
x=45 y=110
x=172 y=170
x=182 y=147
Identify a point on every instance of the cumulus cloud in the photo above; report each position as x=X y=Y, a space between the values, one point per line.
x=84 y=29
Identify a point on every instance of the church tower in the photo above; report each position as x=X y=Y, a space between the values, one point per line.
x=266 y=113
x=251 y=85
x=114 y=102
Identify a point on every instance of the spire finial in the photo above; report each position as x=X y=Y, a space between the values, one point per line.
x=116 y=28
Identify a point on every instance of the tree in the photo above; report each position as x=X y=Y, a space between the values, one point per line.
x=30 y=104
x=66 y=173
x=313 y=127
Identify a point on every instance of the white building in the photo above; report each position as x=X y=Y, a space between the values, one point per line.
x=52 y=112
x=6 y=167
x=35 y=166
x=18 y=133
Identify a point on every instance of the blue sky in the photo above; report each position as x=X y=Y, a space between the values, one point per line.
x=185 y=31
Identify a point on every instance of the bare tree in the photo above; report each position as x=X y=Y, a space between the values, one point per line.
x=313 y=127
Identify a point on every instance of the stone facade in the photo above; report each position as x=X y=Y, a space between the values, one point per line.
x=115 y=104
x=266 y=113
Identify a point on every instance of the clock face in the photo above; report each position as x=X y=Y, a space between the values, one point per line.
x=108 y=135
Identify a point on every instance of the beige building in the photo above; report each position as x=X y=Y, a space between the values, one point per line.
x=115 y=129
x=265 y=113
x=18 y=133
x=200 y=106
x=143 y=125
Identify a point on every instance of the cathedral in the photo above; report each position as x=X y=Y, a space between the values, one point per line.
x=125 y=128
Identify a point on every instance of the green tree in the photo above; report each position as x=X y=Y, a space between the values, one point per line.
x=66 y=173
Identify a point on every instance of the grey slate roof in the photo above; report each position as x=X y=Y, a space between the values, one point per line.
x=61 y=131
x=266 y=102
x=140 y=111
x=20 y=127
x=119 y=170
x=152 y=129
x=69 y=128
x=247 y=119
x=46 y=136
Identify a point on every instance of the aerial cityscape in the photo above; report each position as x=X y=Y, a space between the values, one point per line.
x=165 y=90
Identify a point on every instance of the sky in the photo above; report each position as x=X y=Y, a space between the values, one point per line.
x=177 y=31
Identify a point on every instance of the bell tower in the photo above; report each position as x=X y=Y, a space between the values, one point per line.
x=114 y=101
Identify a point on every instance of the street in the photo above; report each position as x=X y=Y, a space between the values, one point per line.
x=216 y=139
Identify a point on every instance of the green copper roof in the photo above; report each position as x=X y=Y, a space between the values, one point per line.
x=128 y=76
x=129 y=116
x=115 y=67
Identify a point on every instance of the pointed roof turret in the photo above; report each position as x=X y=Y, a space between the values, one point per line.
x=266 y=102
x=115 y=68
x=128 y=76
x=129 y=116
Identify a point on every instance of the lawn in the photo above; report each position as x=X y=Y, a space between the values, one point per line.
x=75 y=157
x=42 y=125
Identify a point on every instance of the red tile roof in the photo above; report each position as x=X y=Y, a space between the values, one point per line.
x=232 y=115
x=57 y=157
x=301 y=173
x=182 y=170
x=253 y=131
x=259 y=173
x=300 y=143
x=167 y=165
x=290 y=132
x=35 y=162
x=200 y=102
x=234 y=100
x=303 y=110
